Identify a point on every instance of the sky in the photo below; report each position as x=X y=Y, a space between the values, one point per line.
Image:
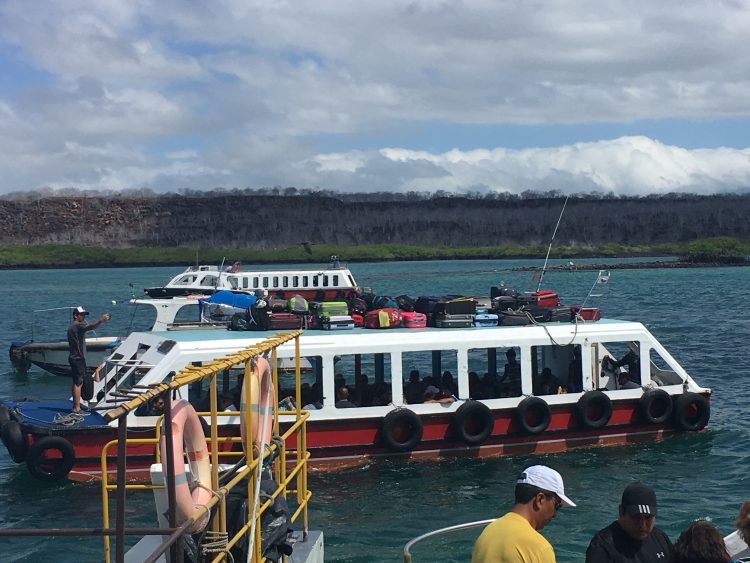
x=630 y=97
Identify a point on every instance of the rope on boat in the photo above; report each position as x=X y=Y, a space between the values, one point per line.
x=216 y=542
x=69 y=419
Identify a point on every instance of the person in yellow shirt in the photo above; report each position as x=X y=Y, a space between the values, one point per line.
x=515 y=537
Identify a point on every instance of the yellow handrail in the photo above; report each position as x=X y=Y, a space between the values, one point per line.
x=283 y=474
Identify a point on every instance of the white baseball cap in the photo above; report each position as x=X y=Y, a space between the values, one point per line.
x=80 y=311
x=547 y=479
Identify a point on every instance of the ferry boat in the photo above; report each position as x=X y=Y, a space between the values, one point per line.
x=480 y=391
x=333 y=282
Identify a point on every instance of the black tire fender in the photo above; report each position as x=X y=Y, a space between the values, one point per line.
x=4 y=415
x=402 y=430
x=50 y=468
x=15 y=440
x=533 y=415
x=473 y=422
x=594 y=409
x=691 y=412
x=655 y=406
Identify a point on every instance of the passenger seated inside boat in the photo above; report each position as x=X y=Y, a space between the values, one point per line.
x=625 y=382
x=342 y=399
x=447 y=382
x=154 y=407
x=633 y=363
x=434 y=395
x=547 y=384
x=414 y=389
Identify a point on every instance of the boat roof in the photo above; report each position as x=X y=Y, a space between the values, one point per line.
x=395 y=338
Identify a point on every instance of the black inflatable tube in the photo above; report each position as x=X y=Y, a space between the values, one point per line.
x=393 y=425
x=691 y=412
x=48 y=469
x=536 y=408
x=14 y=439
x=479 y=416
x=655 y=406
x=600 y=403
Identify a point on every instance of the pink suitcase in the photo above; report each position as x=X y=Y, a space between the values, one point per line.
x=411 y=319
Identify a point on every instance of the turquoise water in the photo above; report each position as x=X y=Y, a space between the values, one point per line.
x=367 y=514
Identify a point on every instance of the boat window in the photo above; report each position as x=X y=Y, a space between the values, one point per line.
x=351 y=280
x=423 y=370
x=255 y=282
x=366 y=379
x=265 y=282
x=304 y=281
x=660 y=372
x=553 y=369
x=494 y=373
x=276 y=281
x=209 y=281
x=229 y=390
x=311 y=381
x=295 y=281
x=186 y=280
x=335 y=280
x=616 y=365
x=325 y=281
x=245 y=283
x=233 y=283
x=315 y=281
x=285 y=281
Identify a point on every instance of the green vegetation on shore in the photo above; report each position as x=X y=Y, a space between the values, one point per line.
x=18 y=256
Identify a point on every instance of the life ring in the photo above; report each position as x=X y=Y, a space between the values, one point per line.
x=691 y=412
x=187 y=430
x=533 y=415
x=261 y=405
x=14 y=439
x=50 y=468
x=474 y=422
x=402 y=430
x=594 y=409
x=655 y=406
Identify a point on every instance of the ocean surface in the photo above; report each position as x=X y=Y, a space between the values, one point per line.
x=367 y=514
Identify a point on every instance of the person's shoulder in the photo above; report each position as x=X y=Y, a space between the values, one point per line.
x=659 y=534
x=605 y=534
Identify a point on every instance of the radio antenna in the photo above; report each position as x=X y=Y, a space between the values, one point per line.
x=544 y=267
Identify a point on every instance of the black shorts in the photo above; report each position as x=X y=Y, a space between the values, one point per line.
x=78 y=370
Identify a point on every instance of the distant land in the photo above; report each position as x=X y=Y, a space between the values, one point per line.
x=288 y=225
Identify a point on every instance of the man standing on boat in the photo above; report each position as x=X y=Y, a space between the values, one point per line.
x=632 y=538
x=77 y=346
x=515 y=537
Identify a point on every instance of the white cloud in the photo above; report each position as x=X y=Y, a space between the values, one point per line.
x=251 y=92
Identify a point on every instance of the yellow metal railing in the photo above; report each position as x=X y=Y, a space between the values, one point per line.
x=291 y=479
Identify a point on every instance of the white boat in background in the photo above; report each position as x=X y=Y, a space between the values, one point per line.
x=52 y=355
x=333 y=282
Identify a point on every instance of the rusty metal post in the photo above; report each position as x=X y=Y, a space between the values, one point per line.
x=122 y=434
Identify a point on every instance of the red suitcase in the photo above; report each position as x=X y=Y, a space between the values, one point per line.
x=546 y=298
x=411 y=319
x=284 y=321
x=383 y=318
x=587 y=313
x=359 y=320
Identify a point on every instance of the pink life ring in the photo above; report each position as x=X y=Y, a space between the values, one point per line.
x=261 y=406
x=187 y=430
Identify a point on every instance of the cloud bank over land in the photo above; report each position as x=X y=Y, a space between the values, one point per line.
x=624 y=97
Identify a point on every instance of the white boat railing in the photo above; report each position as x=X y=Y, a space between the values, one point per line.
x=441 y=532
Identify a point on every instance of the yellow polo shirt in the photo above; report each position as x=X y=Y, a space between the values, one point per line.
x=511 y=539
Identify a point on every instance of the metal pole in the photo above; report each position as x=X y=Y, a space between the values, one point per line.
x=122 y=434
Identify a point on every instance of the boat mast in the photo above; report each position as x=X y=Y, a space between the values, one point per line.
x=544 y=267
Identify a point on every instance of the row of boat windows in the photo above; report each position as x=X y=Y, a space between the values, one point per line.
x=266 y=282
x=364 y=380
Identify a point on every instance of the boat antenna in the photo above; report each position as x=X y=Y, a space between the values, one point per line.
x=549 y=249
